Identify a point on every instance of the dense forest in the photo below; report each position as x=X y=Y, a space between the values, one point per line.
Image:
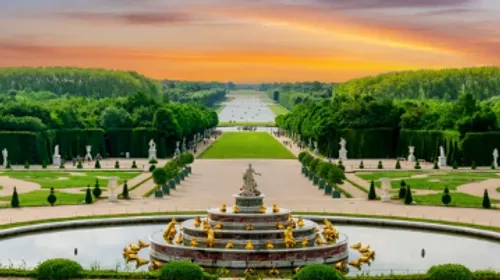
x=291 y=94
x=206 y=93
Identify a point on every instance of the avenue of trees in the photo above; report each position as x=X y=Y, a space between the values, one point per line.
x=291 y=94
x=206 y=93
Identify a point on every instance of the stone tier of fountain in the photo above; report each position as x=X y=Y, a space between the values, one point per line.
x=234 y=230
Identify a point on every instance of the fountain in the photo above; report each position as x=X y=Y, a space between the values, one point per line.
x=250 y=235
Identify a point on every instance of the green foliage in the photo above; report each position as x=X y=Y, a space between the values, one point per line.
x=417 y=165
x=427 y=142
x=372 y=195
x=291 y=94
x=336 y=176
x=313 y=163
x=97 y=164
x=88 y=196
x=455 y=165
x=134 y=165
x=14 y=202
x=341 y=165
x=160 y=176
x=398 y=165
x=486 y=200
x=361 y=165
x=125 y=194
x=301 y=157
x=318 y=271
x=51 y=199
x=58 y=269
x=379 y=165
x=408 y=196
x=450 y=271
x=8 y=165
x=473 y=165
x=435 y=166
x=186 y=158
x=23 y=146
x=44 y=164
x=165 y=122
x=206 y=93
x=113 y=117
x=152 y=168
x=97 y=190
x=402 y=192
x=79 y=165
x=402 y=183
x=181 y=270
x=492 y=167
x=61 y=166
x=446 y=198
x=117 y=165
x=26 y=165
x=153 y=161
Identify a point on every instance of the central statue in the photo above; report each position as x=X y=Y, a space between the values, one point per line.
x=249 y=184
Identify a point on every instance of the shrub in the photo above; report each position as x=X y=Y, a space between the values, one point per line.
x=8 y=165
x=97 y=190
x=44 y=164
x=473 y=165
x=79 y=165
x=313 y=163
x=492 y=166
x=336 y=175
x=318 y=271
x=152 y=168
x=436 y=166
x=61 y=166
x=446 y=198
x=26 y=165
x=51 y=199
x=486 y=200
x=450 y=271
x=153 y=161
x=323 y=168
x=417 y=165
x=14 y=201
x=134 y=165
x=160 y=176
x=58 y=269
x=455 y=165
x=117 y=165
x=372 y=195
x=408 y=196
x=402 y=192
x=186 y=158
x=379 y=165
x=302 y=155
x=181 y=270
x=88 y=196
x=307 y=159
x=341 y=165
x=361 y=165
x=97 y=164
x=398 y=164
x=125 y=194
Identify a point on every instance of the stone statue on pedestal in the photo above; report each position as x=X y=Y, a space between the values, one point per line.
x=112 y=185
x=152 y=150
x=316 y=150
x=411 y=156
x=56 y=158
x=442 y=156
x=5 y=155
x=177 y=150
x=249 y=184
x=88 y=156
x=183 y=149
x=343 y=150
x=495 y=157
x=386 y=189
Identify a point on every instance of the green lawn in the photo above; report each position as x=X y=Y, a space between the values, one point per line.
x=39 y=198
x=225 y=124
x=278 y=110
x=433 y=181
x=51 y=179
x=457 y=199
x=237 y=145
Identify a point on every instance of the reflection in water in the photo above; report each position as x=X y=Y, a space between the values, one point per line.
x=398 y=251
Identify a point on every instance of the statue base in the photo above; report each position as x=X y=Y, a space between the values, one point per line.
x=113 y=198
x=386 y=197
x=343 y=154
x=411 y=158
x=249 y=204
x=56 y=160
x=442 y=161
x=152 y=155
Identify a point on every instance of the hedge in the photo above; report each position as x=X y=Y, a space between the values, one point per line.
x=479 y=147
x=22 y=146
x=72 y=142
x=427 y=144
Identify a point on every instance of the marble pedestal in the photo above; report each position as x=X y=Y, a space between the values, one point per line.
x=113 y=197
x=56 y=160
x=411 y=158
x=442 y=161
x=343 y=154
x=152 y=155
x=386 y=197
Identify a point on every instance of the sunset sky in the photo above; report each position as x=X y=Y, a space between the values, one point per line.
x=251 y=40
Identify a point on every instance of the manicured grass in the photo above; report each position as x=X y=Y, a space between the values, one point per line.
x=278 y=110
x=433 y=181
x=49 y=179
x=246 y=145
x=39 y=198
x=227 y=124
x=457 y=199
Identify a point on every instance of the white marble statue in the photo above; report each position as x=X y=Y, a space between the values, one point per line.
x=343 y=150
x=386 y=189
x=411 y=156
x=56 y=150
x=183 y=144
x=112 y=185
x=88 y=156
x=56 y=158
x=495 y=157
x=5 y=155
x=316 y=150
x=442 y=156
x=177 y=150
x=249 y=184
x=152 y=150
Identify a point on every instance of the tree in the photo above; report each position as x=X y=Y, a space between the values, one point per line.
x=446 y=198
x=125 y=194
x=408 y=196
x=51 y=199
x=26 y=165
x=371 y=194
x=44 y=164
x=379 y=165
x=436 y=166
x=134 y=165
x=361 y=165
x=79 y=165
x=97 y=190
x=88 y=196
x=113 y=117
x=341 y=166
x=14 y=202
x=336 y=176
x=455 y=165
x=160 y=176
x=417 y=165
x=492 y=166
x=152 y=168
x=473 y=165
x=97 y=164
x=398 y=164
x=117 y=165
x=486 y=200
x=402 y=189
x=165 y=122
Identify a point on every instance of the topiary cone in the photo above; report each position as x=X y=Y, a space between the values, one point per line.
x=14 y=202
x=408 y=196
x=486 y=200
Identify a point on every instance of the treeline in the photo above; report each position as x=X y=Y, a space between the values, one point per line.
x=291 y=94
x=75 y=82
x=206 y=93
x=447 y=84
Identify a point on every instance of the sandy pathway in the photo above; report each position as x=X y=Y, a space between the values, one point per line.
x=354 y=191
x=21 y=186
x=477 y=188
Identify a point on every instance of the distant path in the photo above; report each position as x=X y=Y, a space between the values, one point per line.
x=21 y=186
x=477 y=188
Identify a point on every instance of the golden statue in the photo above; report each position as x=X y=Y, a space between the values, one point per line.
x=370 y=254
x=194 y=242
x=132 y=257
x=340 y=265
x=249 y=245
x=229 y=245
x=364 y=259
x=275 y=208
x=250 y=226
x=279 y=226
x=218 y=225
x=210 y=238
x=142 y=244
x=274 y=272
x=206 y=226
x=134 y=247
x=248 y=271
x=223 y=208
x=262 y=209
x=300 y=222
x=156 y=264
x=127 y=251
x=179 y=239
x=319 y=240
x=236 y=209
x=305 y=242
x=269 y=245
x=364 y=249
x=316 y=229
x=170 y=231
x=197 y=221
x=141 y=262
x=297 y=269
x=289 y=240
x=356 y=263
x=293 y=224
x=356 y=246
